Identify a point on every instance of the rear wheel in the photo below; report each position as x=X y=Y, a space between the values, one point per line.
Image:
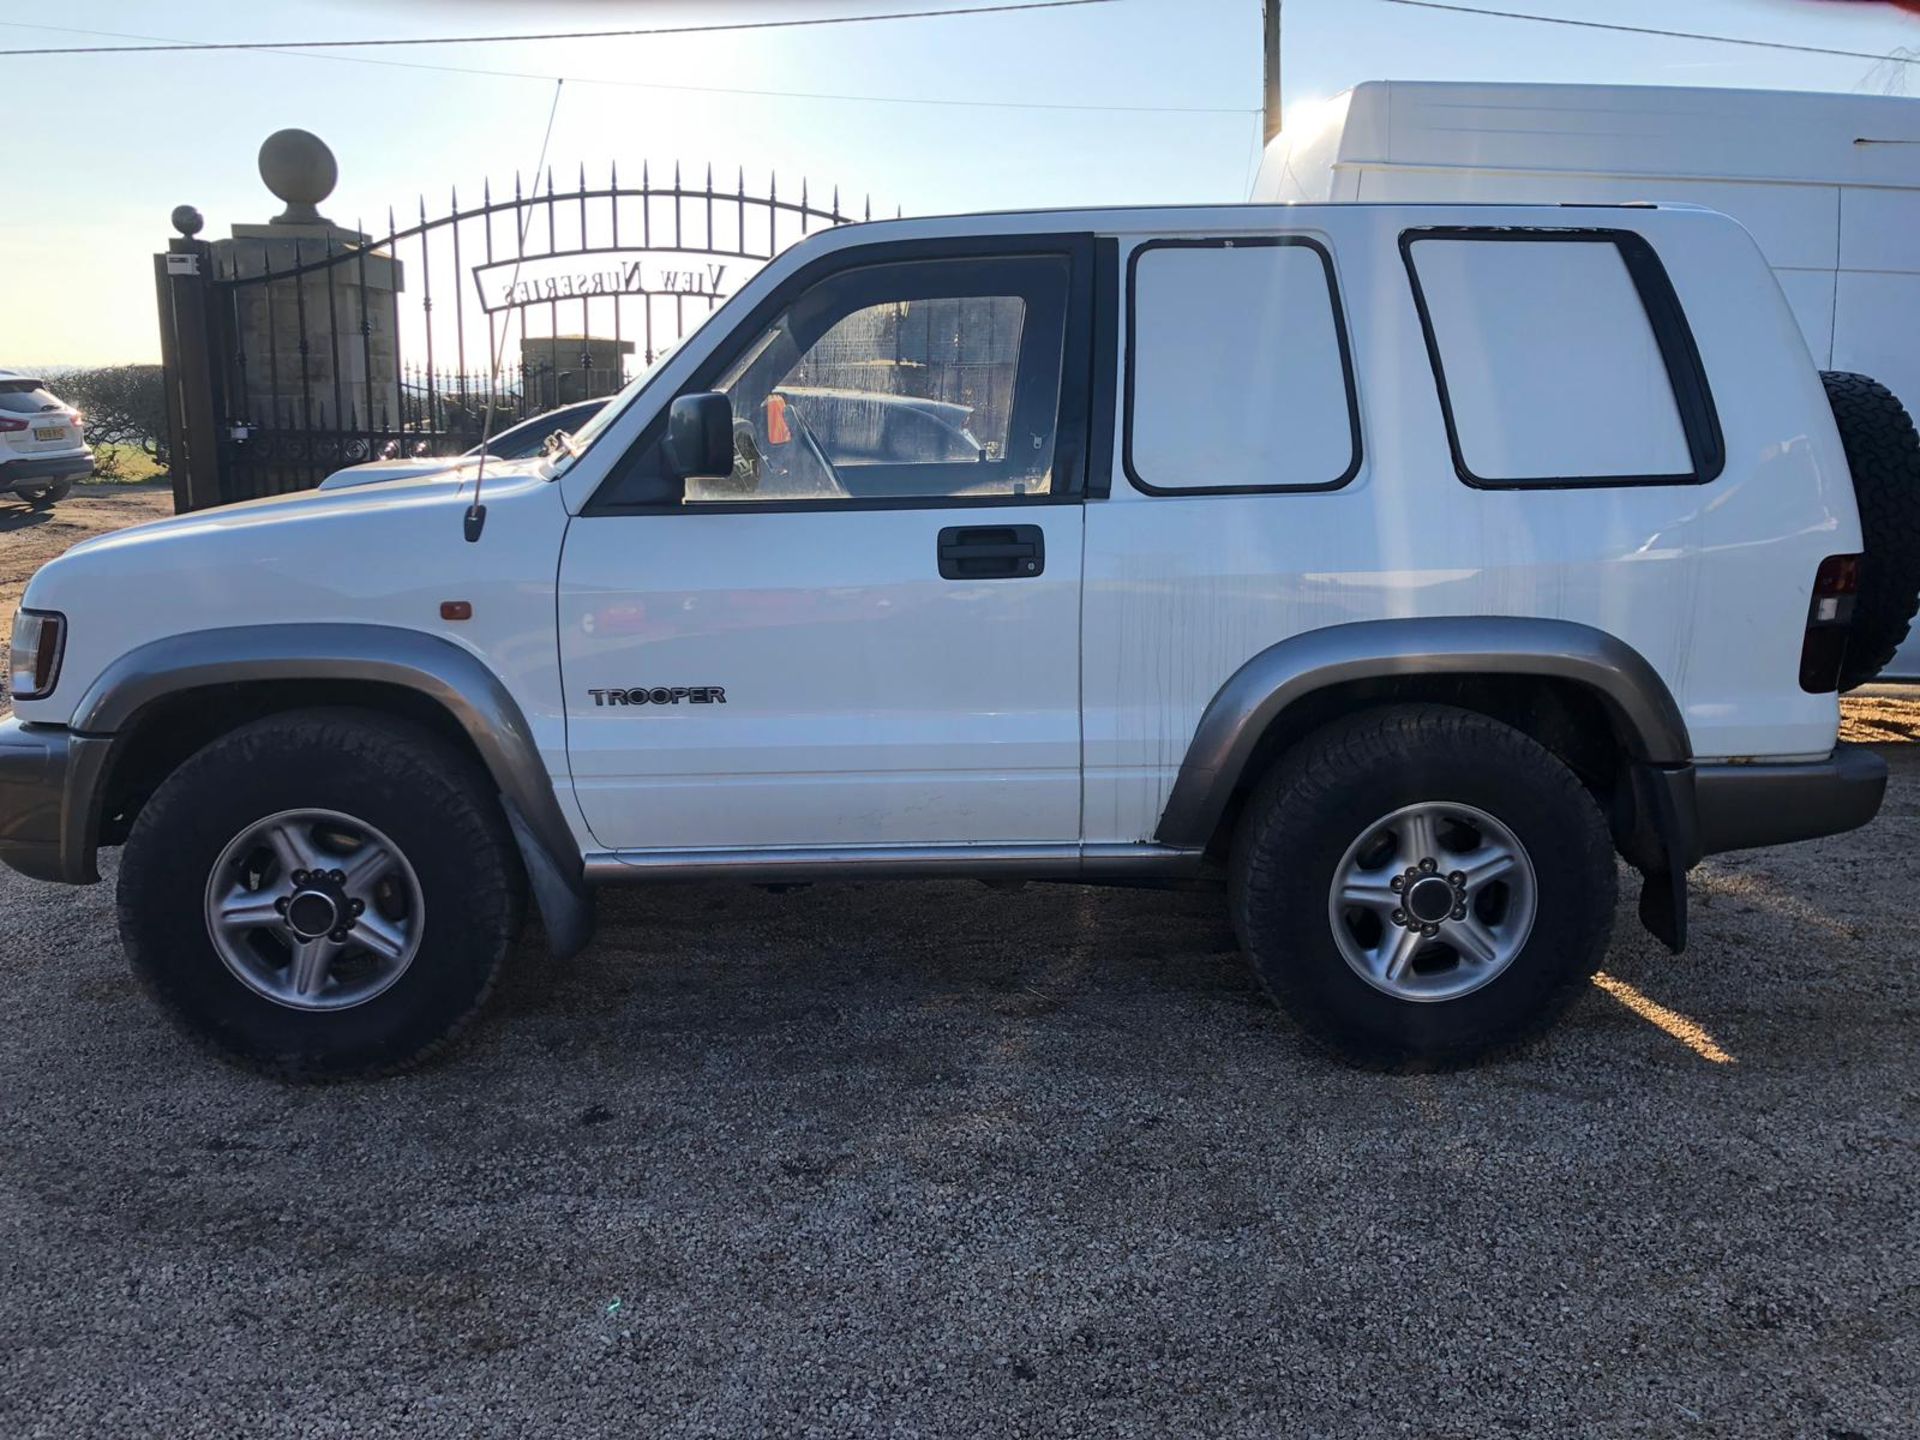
x=41 y=496
x=1420 y=883
x=321 y=895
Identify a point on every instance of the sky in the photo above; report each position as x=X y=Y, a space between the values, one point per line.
x=102 y=147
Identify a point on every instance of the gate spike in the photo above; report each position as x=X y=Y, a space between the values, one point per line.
x=486 y=192
x=516 y=185
x=676 y=175
x=453 y=194
x=645 y=184
x=836 y=204
x=869 y=207
x=392 y=228
x=709 y=177
x=583 y=177
x=549 y=182
x=613 y=174
x=773 y=183
x=423 y=208
x=743 y=181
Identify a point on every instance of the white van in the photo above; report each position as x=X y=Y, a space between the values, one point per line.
x=1828 y=185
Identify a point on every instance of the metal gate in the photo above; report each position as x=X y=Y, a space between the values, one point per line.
x=291 y=355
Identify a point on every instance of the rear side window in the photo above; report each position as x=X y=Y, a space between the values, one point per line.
x=1239 y=376
x=1562 y=358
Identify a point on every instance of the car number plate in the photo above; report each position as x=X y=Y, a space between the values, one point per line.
x=49 y=432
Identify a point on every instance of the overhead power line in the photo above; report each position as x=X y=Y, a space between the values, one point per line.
x=726 y=26
x=548 y=78
x=1665 y=34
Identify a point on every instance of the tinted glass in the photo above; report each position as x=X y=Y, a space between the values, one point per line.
x=26 y=397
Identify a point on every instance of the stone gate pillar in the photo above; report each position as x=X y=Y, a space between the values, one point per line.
x=318 y=351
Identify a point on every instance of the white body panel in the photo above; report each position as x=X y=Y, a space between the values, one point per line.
x=869 y=702
x=1709 y=582
x=1828 y=185
x=384 y=556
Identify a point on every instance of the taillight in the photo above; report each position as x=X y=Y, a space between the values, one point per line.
x=1836 y=585
x=8 y=426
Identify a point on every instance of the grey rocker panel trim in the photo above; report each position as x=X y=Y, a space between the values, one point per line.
x=455 y=679
x=1261 y=689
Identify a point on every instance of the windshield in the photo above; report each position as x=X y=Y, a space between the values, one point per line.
x=529 y=437
x=584 y=437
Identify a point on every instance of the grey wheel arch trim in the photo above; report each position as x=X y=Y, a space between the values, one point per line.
x=1255 y=695
x=455 y=679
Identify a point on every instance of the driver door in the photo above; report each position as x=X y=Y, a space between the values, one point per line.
x=868 y=634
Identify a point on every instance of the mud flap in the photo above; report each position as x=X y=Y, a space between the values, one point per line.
x=1661 y=840
x=566 y=905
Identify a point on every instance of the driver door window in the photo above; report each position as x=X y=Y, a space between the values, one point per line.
x=915 y=380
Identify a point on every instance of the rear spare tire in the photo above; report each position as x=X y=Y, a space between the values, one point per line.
x=1883 y=452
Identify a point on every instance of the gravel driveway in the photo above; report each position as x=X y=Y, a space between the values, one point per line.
x=940 y=1160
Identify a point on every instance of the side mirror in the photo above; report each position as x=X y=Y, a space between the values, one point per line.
x=699 y=442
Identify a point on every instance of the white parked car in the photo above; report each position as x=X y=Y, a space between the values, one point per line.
x=43 y=446
x=1394 y=568
x=1828 y=186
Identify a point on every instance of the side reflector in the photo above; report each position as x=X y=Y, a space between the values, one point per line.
x=456 y=609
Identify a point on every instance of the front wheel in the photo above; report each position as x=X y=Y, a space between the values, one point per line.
x=1422 y=883
x=321 y=895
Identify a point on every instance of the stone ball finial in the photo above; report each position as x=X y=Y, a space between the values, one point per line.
x=187 y=220
x=300 y=169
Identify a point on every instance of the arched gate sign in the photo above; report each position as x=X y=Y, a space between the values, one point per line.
x=295 y=348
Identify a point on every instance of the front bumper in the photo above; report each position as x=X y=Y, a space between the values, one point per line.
x=1739 y=807
x=44 y=469
x=50 y=784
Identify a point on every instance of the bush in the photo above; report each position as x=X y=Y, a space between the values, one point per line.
x=120 y=405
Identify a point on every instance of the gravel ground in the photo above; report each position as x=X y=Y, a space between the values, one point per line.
x=934 y=1159
x=939 y=1160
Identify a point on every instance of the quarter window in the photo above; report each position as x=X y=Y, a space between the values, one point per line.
x=1238 y=373
x=1562 y=358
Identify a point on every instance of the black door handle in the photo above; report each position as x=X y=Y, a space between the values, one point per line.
x=992 y=552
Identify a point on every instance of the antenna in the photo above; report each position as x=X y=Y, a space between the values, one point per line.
x=475 y=519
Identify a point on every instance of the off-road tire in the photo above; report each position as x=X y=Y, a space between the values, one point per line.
x=1883 y=452
x=436 y=807
x=41 y=496
x=1317 y=800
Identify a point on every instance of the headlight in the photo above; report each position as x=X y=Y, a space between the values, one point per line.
x=38 y=638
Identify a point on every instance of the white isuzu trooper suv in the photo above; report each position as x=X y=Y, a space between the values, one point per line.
x=1394 y=567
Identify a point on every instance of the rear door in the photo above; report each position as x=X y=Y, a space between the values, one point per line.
x=868 y=635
